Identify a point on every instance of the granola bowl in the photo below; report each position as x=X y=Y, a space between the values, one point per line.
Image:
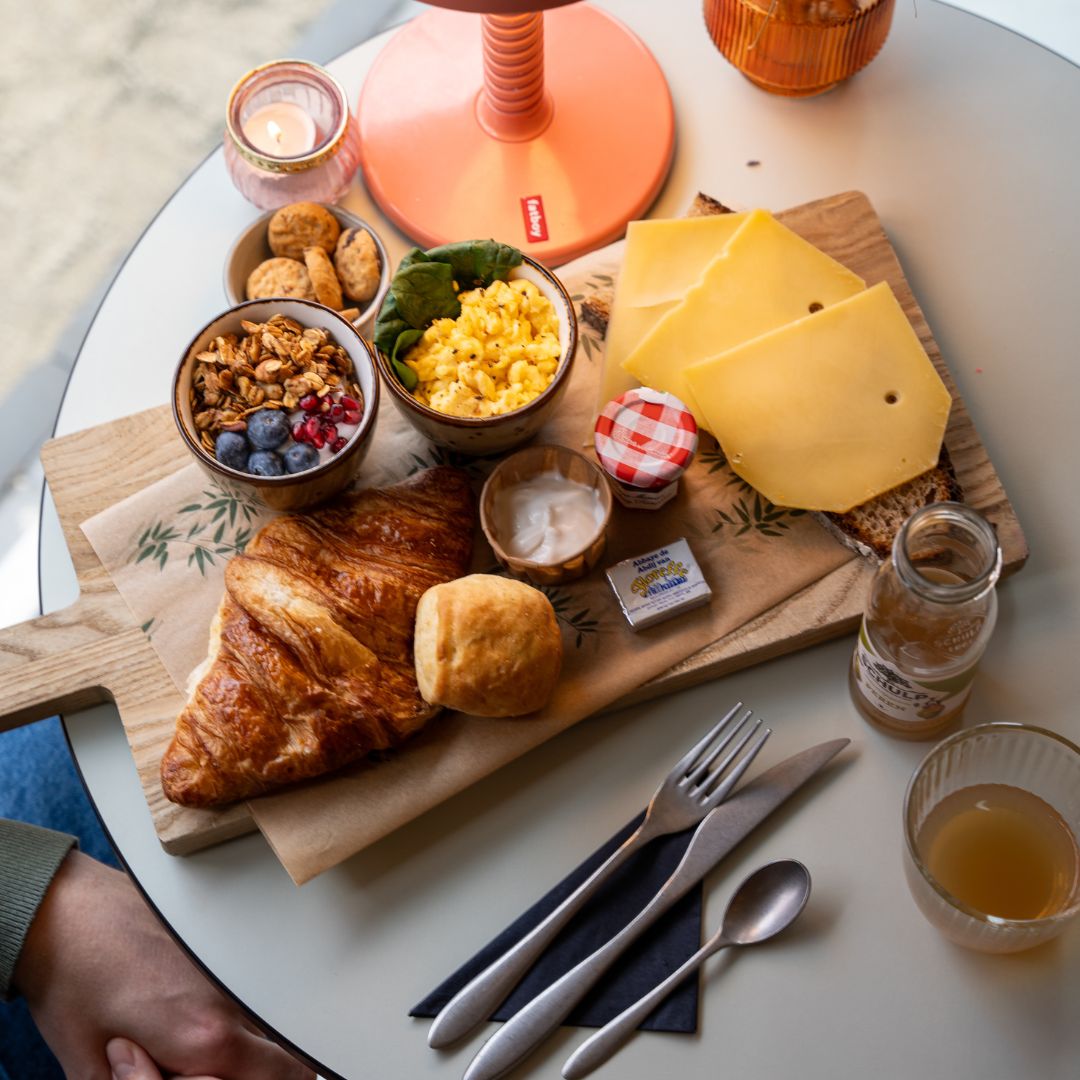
x=252 y=247
x=265 y=367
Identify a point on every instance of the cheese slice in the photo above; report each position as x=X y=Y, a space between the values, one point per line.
x=661 y=261
x=664 y=258
x=765 y=277
x=829 y=411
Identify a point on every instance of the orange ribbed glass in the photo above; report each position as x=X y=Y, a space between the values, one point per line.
x=799 y=47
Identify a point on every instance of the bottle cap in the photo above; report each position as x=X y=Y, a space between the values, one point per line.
x=645 y=439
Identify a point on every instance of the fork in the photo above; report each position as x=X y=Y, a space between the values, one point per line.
x=695 y=785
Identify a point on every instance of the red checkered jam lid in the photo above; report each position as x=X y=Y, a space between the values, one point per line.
x=645 y=438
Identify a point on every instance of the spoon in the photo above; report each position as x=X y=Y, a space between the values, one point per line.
x=768 y=901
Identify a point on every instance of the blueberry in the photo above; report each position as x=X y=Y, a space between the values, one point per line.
x=265 y=463
x=300 y=457
x=231 y=449
x=267 y=429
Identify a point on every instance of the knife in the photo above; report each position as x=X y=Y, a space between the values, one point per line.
x=717 y=834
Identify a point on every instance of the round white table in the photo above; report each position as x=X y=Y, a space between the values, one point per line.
x=965 y=138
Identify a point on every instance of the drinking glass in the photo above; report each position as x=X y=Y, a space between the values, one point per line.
x=1032 y=759
x=799 y=47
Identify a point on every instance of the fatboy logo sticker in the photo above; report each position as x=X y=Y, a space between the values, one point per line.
x=532 y=210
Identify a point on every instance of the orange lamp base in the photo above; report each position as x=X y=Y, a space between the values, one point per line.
x=589 y=153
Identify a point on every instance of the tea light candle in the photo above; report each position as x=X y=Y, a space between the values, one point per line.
x=280 y=129
x=289 y=136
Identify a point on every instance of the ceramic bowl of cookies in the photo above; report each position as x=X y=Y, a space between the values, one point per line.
x=545 y=511
x=475 y=344
x=278 y=398
x=310 y=251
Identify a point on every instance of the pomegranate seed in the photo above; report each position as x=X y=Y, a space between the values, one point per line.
x=329 y=432
x=352 y=416
x=312 y=427
x=299 y=432
x=324 y=404
x=338 y=445
x=318 y=441
x=309 y=402
x=348 y=402
x=337 y=412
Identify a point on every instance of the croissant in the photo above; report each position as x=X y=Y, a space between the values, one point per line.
x=311 y=651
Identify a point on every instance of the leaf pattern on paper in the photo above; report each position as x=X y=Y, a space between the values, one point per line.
x=757 y=515
x=595 y=282
x=717 y=461
x=434 y=456
x=218 y=524
x=591 y=345
x=580 y=623
x=714 y=459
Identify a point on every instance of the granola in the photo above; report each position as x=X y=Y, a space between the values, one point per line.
x=272 y=365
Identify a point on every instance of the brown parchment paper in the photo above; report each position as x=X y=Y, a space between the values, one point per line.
x=165 y=548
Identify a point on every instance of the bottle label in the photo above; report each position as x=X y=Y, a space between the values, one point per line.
x=901 y=697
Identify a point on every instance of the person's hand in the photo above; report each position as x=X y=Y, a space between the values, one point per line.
x=131 y=1062
x=97 y=964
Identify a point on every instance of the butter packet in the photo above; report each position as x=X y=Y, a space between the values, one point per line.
x=659 y=584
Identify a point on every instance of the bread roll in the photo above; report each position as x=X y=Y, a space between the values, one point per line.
x=310 y=664
x=487 y=645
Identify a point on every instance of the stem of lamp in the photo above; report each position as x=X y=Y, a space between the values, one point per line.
x=513 y=106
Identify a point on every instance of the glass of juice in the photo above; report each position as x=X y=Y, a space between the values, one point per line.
x=991 y=828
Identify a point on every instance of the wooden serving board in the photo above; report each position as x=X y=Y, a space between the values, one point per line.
x=93 y=651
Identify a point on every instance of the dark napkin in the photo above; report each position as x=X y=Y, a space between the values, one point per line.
x=649 y=960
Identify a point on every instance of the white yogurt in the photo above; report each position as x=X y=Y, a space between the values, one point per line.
x=547 y=519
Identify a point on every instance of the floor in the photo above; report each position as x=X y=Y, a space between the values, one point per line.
x=98 y=136
x=106 y=130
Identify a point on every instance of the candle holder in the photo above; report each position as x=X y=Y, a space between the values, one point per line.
x=289 y=135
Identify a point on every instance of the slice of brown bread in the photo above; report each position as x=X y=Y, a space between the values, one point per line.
x=704 y=205
x=596 y=311
x=870 y=527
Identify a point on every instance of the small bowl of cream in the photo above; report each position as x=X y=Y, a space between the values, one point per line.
x=545 y=512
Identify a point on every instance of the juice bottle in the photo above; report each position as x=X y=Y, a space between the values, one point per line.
x=930 y=614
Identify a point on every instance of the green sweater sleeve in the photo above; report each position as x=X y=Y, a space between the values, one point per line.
x=29 y=859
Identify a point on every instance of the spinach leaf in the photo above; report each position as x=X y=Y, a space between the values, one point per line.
x=478 y=262
x=424 y=291
x=405 y=340
x=413 y=255
x=390 y=323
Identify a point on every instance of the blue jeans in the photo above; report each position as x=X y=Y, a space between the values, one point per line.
x=39 y=784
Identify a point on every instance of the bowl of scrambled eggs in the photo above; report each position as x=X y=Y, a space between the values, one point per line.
x=486 y=379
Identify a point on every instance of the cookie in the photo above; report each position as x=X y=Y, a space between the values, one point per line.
x=357 y=263
x=323 y=279
x=280 y=277
x=302 y=225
